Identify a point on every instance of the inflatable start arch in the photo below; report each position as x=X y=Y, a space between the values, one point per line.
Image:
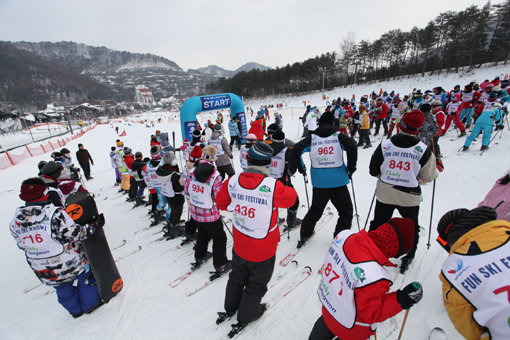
x=193 y=105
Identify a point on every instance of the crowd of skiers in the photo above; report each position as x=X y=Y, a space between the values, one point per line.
x=355 y=283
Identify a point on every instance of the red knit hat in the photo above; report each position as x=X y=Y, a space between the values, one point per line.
x=395 y=237
x=32 y=189
x=195 y=154
x=412 y=121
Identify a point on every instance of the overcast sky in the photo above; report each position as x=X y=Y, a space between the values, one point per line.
x=197 y=33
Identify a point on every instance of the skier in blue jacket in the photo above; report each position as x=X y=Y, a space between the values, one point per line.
x=484 y=123
x=330 y=174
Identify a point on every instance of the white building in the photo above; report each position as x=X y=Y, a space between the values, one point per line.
x=143 y=95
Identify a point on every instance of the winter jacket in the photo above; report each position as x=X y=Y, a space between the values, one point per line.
x=374 y=302
x=439 y=118
x=233 y=128
x=277 y=148
x=68 y=187
x=256 y=129
x=484 y=238
x=428 y=130
x=166 y=173
x=400 y=195
x=83 y=157
x=499 y=199
x=382 y=111
x=136 y=167
x=112 y=159
x=328 y=177
x=128 y=160
x=490 y=116
x=365 y=120
x=227 y=153
x=48 y=236
x=250 y=249
x=119 y=160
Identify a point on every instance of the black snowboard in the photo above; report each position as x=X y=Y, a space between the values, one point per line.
x=82 y=209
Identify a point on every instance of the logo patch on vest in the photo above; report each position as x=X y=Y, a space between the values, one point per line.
x=265 y=188
x=360 y=274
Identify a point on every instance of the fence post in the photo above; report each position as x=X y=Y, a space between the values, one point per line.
x=42 y=147
x=9 y=157
x=26 y=146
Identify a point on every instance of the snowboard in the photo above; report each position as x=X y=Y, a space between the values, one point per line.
x=82 y=209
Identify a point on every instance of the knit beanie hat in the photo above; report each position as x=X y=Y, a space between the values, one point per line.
x=119 y=143
x=156 y=152
x=412 y=121
x=138 y=155
x=195 y=154
x=169 y=158
x=435 y=102
x=32 y=189
x=327 y=118
x=425 y=107
x=272 y=128
x=217 y=128
x=251 y=138
x=52 y=169
x=395 y=237
x=457 y=222
x=278 y=137
x=259 y=154
x=196 y=133
x=209 y=153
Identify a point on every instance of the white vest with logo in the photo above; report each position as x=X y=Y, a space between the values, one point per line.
x=278 y=164
x=401 y=166
x=311 y=121
x=252 y=208
x=467 y=96
x=37 y=240
x=326 y=152
x=340 y=278
x=484 y=281
x=453 y=107
x=243 y=153
x=153 y=178
x=217 y=143
x=200 y=194
x=167 y=189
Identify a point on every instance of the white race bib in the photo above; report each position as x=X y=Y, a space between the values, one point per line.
x=217 y=143
x=401 y=166
x=326 y=152
x=278 y=164
x=200 y=194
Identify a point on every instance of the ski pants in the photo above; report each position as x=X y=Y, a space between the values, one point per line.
x=246 y=286
x=477 y=129
x=206 y=232
x=378 y=125
x=86 y=170
x=79 y=297
x=226 y=169
x=133 y=188
x=363 y=137
x=176 y=204
x=355 y=128
x=161 y=200
x=237 y=140
x=340 y=198
x=383 y=212
x=456 y=120
x=141 y=187
x=118 y=175
x=124 y=184
x=320 y=331
x=467 y=114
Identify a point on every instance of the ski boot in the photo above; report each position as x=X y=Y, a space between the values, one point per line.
x=129 y=199
x=465 y=148
x=171 y=231
x=462 y=134
x=238 y=327
x=367 y=146
x=302 y=242
x=484 y=147
x=158 y=217
x=139 y=201
x=222 y=316
x=223 y=269
x=404 y=265
x=188 y=238
x=199 y=262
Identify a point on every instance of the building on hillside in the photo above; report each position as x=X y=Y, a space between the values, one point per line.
x=143 y=95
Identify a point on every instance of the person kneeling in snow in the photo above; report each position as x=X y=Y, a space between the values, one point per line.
x=476 y=274
x=354 y=288
x=49 y=238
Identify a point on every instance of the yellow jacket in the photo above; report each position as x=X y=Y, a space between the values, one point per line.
x=365 y=121
x=488 y=236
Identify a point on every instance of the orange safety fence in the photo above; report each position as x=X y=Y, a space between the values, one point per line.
x=13 y=157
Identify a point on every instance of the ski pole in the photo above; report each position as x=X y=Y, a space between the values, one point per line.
x=355 y=205
x=226 y=226
x=403 y=324
x=431 y=212
x=369 y=210
x=175 y=150
x=305 y=178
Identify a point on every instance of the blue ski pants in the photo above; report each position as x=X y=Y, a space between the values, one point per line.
x=479 y=127
x=78 y=295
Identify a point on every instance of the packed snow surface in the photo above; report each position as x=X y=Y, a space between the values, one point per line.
x=149 y=308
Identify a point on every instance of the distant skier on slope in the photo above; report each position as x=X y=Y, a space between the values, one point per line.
x=49 y=238
x=354 y=288
x=476 y=274
x=255 y=232
x=330 y=174
x=484 y=124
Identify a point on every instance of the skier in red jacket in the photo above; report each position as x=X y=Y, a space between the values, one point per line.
x=381 y=110
x=355 y=284
x=254 y=198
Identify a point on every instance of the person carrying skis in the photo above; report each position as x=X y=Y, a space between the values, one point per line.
x=254 y=198
x=279 y=170
x=484 y=124
x=398 y=163
x=355 y=284
x=330 y=174
x=476 y=273
x=49 y=238
x=224 y=154
x=201 y=189
x=172 y=190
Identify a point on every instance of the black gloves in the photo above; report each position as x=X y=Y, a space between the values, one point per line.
x=302 y=171
x=410 y=295
x=350 y=172
x=96 y=224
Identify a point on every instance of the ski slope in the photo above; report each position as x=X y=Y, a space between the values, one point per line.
x=149 y=308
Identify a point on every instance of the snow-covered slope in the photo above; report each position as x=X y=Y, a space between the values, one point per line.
x=149 y=308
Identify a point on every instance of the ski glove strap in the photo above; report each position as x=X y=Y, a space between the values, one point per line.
x=410 y=295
